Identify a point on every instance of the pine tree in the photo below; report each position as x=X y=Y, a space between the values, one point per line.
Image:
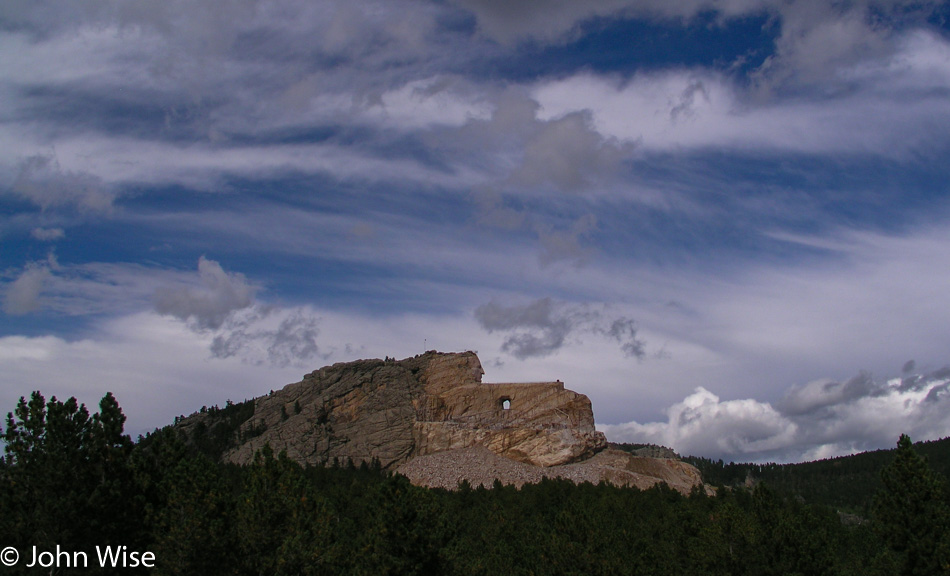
x=66 y=475
x=912 y=513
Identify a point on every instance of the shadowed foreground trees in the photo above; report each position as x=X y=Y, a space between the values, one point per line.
x=67 y=478
x=73 y=479
x=913 y=514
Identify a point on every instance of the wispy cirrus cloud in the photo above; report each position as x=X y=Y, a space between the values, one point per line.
x=700 y=109
x=813 y=42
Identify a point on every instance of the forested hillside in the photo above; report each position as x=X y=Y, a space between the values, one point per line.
x=847 y=483
x=71 y=481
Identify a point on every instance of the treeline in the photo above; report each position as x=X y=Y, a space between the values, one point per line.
x=847 y=483
x=74 y=480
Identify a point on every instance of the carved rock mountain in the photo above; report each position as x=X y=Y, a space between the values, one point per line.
x=429 y=412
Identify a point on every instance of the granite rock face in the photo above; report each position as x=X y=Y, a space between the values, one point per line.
x=432 y=419
x=393 y=411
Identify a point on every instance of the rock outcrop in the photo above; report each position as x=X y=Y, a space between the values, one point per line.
x=480 y=467
x=392 y=411
x=431 y=413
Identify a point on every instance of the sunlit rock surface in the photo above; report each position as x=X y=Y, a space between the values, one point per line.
x=396 y=410
x=431 y=414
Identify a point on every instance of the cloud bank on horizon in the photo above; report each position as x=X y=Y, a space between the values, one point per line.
x=706 y=216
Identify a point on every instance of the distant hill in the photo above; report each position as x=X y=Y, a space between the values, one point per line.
x=847 y=483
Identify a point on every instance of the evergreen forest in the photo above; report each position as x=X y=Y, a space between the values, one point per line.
x=71 y=481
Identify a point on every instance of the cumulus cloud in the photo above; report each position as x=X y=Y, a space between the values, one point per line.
x=568 y=154
x=533 y=157
x=542 y=327
x=702 y=424
x=223 y=304
x=216 y=297
x=44 y=183
x=22 y=296
x=820 y=419
x=516 y=150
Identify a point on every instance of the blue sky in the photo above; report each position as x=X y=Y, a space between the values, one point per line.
x=725 y=222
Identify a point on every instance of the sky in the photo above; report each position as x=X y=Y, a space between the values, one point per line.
x=725 y=222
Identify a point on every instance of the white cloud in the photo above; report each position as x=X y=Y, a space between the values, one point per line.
x=120 y=161
x=217 y=297
x=704 y=425
x=22 y=296
x=880 y=300
x=82 y=289
x=431 y=102
x=568 y=154
x=816 y=40
x=159 y=367
x=555 y=21
x=156 y=367
x=824 y=425
x=41 y=181
x=48 y=234
x=683 y=109
x=15 y=348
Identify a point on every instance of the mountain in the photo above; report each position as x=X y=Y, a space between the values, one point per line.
x=431 y=418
